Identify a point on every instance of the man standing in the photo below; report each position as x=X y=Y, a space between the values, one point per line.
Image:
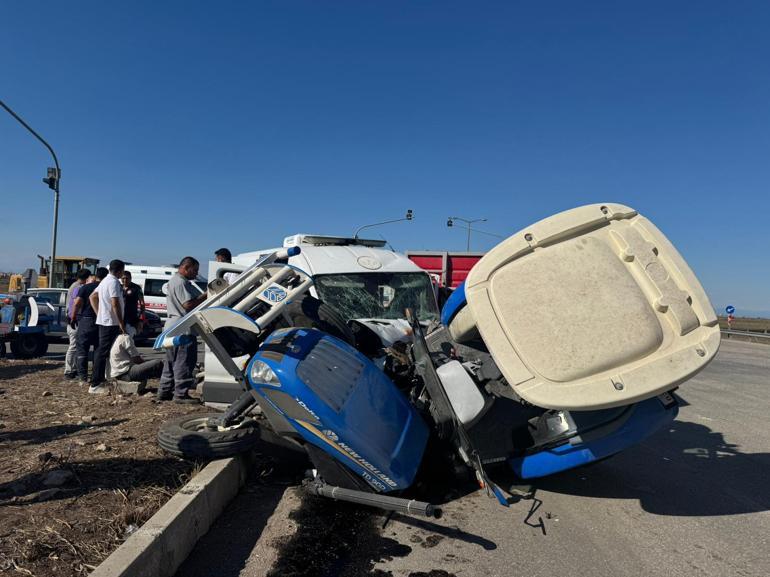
x=70 y=359
x=224 y=255
x=181 y=297
x=107 y=301
x=85 y=317
x=134 y=297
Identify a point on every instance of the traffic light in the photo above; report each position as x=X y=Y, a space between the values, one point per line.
x=53 y=178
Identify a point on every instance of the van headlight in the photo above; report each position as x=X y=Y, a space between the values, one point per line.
x=262 y=373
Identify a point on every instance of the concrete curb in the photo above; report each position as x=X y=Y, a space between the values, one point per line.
x=160 y=546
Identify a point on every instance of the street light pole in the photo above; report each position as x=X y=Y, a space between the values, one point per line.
x=468 y=223
x=52 y=180
x=409 y=216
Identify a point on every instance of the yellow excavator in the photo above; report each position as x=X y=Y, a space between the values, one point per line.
x=66 y=269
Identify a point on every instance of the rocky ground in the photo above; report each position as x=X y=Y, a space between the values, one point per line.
x=78 y=472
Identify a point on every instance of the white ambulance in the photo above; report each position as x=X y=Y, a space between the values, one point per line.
x=359 y=278
x=153 y=281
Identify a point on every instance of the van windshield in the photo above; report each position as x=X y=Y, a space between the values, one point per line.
x=378 y=295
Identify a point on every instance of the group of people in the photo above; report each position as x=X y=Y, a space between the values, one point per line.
x=105 y=311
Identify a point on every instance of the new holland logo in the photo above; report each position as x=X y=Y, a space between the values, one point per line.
x=331 y=434
x=274 y=294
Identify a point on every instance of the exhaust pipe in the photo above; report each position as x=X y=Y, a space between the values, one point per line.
x=407 y=506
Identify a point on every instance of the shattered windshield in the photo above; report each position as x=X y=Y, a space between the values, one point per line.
x=378 y=295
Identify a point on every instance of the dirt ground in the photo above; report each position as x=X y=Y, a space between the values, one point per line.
x=78 y=472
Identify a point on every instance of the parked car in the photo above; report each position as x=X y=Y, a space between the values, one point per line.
x=151 y=328
x=21 y=326
x=52 y=309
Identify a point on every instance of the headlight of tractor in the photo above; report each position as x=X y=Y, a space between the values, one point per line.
x=262 y=373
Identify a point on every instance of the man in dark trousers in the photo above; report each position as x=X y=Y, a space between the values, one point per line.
x=83 y=317
x=107 y=300
x=133 y=315
x=181 y=297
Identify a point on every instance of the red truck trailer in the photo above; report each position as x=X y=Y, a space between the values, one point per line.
x=450 y=268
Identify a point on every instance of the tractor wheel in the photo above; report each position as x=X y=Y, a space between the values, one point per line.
x=190 y=437
x=42 y=346
x=28 y=345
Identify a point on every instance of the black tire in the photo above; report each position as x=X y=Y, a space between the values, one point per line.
x=42 y=346
x=313 y=313
x=28 y=345
x=189 y=438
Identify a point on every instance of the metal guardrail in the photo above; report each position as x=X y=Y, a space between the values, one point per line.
x=749 y=334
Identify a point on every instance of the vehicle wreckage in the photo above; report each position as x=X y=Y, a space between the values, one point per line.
x=563 y=347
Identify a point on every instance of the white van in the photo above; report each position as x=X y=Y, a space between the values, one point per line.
x=153 y=281
x=359 y=278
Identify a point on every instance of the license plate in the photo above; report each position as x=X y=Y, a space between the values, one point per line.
x=667 y=400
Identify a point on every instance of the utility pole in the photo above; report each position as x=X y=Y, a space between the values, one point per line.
x=468 y=223
x=409 y=216
x=52 y=180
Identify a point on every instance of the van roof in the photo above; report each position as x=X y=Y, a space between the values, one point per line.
x=147 y=269
x=340 y=259
x=324 y=240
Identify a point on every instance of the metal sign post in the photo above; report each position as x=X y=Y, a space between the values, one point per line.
x=730 y=310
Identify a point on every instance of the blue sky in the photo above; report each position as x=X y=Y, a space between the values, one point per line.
x=186 y=126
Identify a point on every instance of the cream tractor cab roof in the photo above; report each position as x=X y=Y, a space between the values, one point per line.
x=589 y=309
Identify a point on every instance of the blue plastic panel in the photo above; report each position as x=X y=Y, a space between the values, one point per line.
x=648 y=416
x=454 y=303
x=365 y=421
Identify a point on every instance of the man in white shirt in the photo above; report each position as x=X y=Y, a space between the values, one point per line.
x=107 y=302
x=127 y=364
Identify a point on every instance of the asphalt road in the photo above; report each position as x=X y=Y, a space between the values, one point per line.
x=691 y=500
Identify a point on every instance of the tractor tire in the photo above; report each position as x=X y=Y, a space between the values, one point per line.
x=313 y=313
x=29 y=345
x=42 y=347
x=189 y=437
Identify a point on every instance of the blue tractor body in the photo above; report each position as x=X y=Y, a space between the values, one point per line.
x=339 y=401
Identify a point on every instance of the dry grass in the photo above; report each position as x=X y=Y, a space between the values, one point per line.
x=120 y=477
x=747 y=324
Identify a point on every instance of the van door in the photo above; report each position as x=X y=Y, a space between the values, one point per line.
x=154 y=295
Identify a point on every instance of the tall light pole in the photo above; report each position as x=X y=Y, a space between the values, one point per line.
x=468 y=223
x=52 y=180
x=408 y=216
